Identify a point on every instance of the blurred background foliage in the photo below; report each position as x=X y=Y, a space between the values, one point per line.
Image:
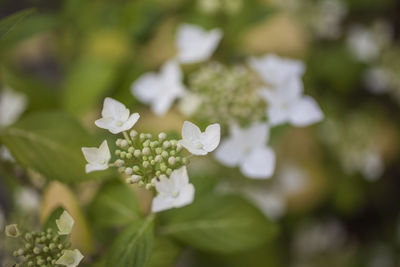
x=66 y=56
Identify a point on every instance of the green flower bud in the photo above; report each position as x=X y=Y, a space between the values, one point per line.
x=137 y=153
x=135 y=168
x=169 y=171
x=133 y=133
x=148 y=186
x=164 y=154
x=146 y=151
x=162 y=136
x=128 y=155
x=145 y=164
x=171 y=161
x=166 y=144
x=12 y=230
x=123 y=154
x=117 y=152
x=142 y=136
x=119 y=163
x=158 y=150
x=131 y=149
x=36 y=250
x=141 y=183
x=128 y=171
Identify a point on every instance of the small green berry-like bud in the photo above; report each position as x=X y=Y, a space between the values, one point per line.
x=168 y=171
x=172 y=152
x=164 y=154
x=146 y=151
x=119 y=163
x=142 y=136
x=145 y=164
x=162 y=136
x=52 y=246
x=128 y=171
x=166 y=144
x=184 y=161
x=28 y=246
x=133 y=133
x=124 y=143
x=171 y=161
x=178 y=147
x=149 y=136
x=141 y=183
x=128 y=155
x=158 y=158
x=163 y=167
x=45 y=249
x=121 y=169
x=173 y=143
x=148 y=186
x=118 y=142
x=135 y=168
x=30 y=263
x=36 y=250
x=20 y=252
x=159 y=150
x=123 y=154
x=131 y=149
x=117 y=152
x=28 y=236
x=146 y=143
x=49 y=230
x=137 y=153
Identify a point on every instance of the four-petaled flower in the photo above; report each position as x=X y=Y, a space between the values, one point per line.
x=160 y=90
x=247 y=148
x=97 y=158
x=288 y=104
x=115 y=117
x=199 y=143
x=70 y=258
x=196 y=44
x=173 y=192
x=65 y=223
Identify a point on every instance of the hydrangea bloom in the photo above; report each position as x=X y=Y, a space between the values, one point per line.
x=247 y=148
x=199 y=143
x=116 y=117
x=65 y=223
x=97 y=158
x=160 y=90
x=173 y=192
x=196 y=44
x=70 y=258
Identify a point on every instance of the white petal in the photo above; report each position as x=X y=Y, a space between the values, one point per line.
x=277 y=114
x=191 y=137
x=305 y=112
x=211 y=137
x=193 y=148
x=255 y=136
x=65 y=223
x=195 y=44
x=186 y=196
x=70 y=258
x=229 y=153
x=275 y=70
x=259 y=164
x=104 y=123
x=104 y=151
x=12 y=105
x=95 y=167
x=91 y=154
x=180 y=177
x=189 y=104
x=147 y=87
x=112 y=108
x=130 y=122
x=164 y=186
x=161 y=202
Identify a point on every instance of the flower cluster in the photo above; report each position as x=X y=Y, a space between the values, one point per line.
x=247 y=99
x=225 y=94
x=155 y=163
x=46 y=248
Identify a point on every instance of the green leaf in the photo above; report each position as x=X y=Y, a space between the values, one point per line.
x=87 y=83
x=50 y=143
x=133 y=246
x=8 y=23
x=51 y=220
x=165 y=253
x=219 y=224
x=114 y=205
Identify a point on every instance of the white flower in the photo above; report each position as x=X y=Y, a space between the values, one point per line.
x=70 y=258
x=173 y=192
x=287 y=104
x=275 y=70
x=12 y=104
x=65 y=223
x=115 y=117
x=97 y=158
x=197 y=142
x=160 y=90
x=27 y=199
x=196 y=44
x=247 y=148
